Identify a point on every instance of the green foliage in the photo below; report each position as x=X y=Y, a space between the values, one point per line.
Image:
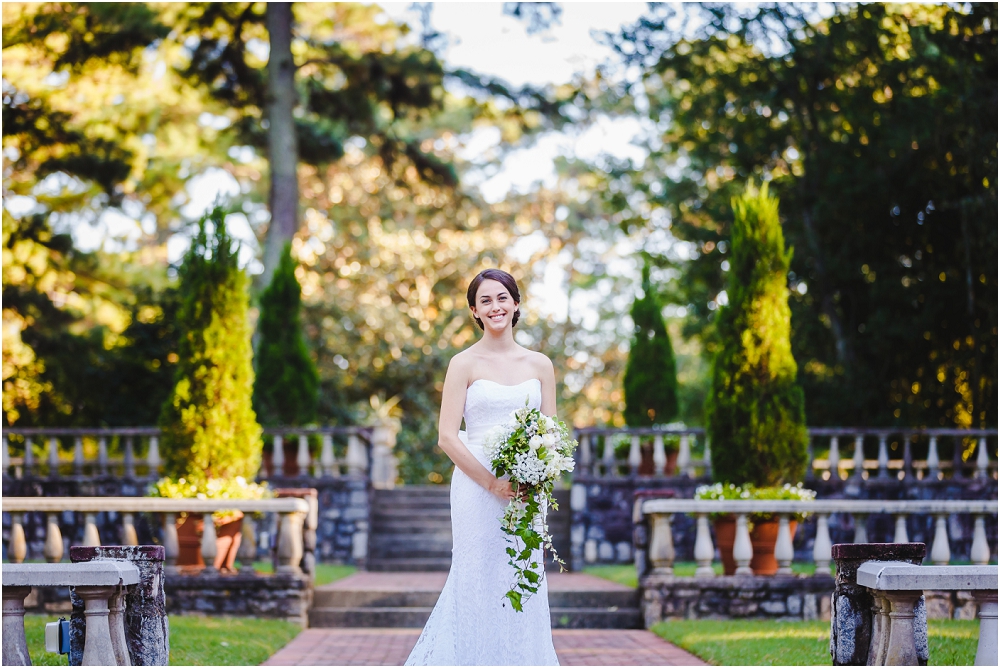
x=755 y=415
x=209 y=426
x=286 y=387
x=651 y=372
x=877 y=128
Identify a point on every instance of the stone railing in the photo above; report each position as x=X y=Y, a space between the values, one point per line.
x=291 y=514
x=101 y=585
x=660 y=512
x=84 y=453
x=876 y=454
x=897 y=588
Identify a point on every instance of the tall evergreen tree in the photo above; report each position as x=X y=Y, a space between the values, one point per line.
x=755 y=415
x=651 y=371
x=285 y=391
x=209 y=426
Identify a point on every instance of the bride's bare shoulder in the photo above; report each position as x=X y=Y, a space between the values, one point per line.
x=539 y=361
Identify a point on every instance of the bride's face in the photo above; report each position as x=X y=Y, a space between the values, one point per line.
x=494 y=306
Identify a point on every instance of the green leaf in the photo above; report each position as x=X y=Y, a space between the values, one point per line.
x=515 y=600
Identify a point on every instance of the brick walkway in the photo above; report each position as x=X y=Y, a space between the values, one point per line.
x=390 y=647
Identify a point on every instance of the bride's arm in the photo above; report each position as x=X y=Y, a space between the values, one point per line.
x=452 y=406
x=547 y=375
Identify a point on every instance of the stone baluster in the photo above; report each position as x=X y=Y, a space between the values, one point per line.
x=97 y=648
x=29 y=457
x=742 y=547
x=90 y=536
x=956 y=459
x=860 y=528
x=357 y=458
x=208 y=547
x=661 y=545
x=129 y=536
x=982 y=459
x=53 y=457
x=940 y=551
x=53 y=549
x=784 y=552
x=883 y=456
x=586 y=458
x=880 y=630
x=6 y=456
x=129 y=458
x=153 y=460
x=833 y=459
x=707 y=458
x=859 y=457
x=822 y=546
x=327 y=459
x=278 y=457
x=659 y=456
x=684 y=457
x=980 y=552
x=302 y=458
x=78 y=455
x=15 y=646
x=704 y=551
x=610 y=469
x=933 y=460
x=247 y=553
x=290 y=543
x=901 y=649
x=116 y=623
x=810 y=458
x=102 y=455
x=901 y=535
x=907 y=458
x=986 y=651
x=171 y=544
x=17 y=546
x=634 y=455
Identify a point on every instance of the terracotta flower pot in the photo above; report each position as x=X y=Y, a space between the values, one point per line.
x=227 y=541
x=762 y=538
x=648 y=467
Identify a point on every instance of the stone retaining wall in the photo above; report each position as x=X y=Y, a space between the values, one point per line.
x=263 y=596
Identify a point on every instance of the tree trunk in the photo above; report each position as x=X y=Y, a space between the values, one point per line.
x=283 y=146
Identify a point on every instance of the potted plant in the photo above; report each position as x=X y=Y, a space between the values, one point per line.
x=228 y=523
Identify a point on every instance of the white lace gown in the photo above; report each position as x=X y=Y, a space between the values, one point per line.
x=471 y=625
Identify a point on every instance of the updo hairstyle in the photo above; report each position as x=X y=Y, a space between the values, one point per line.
x=502 y=277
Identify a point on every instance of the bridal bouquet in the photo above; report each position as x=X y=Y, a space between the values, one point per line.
x=533 y=450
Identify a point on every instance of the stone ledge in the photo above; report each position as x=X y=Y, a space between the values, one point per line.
x=95 y=574
x=900 y=576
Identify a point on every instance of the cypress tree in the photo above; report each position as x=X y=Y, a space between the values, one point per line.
x=286 y=389
x=651 y=371
x=754 y=413
x=208 y=423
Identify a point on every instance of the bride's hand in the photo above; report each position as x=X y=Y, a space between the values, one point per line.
x=504 y=490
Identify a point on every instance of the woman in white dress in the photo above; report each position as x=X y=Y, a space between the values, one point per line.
x=473 y=623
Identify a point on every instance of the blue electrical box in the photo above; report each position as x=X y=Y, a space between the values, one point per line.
x=57 y=637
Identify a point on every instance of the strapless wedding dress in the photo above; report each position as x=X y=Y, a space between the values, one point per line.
x=470 y=625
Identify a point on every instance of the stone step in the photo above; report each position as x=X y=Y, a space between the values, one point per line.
x=411 y=541
x=409 y=564
x=381 y=554
x=397 y=513
x=416 y=617
x=608 y=601
x=414 y=524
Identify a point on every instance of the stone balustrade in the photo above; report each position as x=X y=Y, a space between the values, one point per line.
x=845 y=453
x=291 y=513
x=897 y=588
x=101 y=585
x=69 y=453
x=659 y=513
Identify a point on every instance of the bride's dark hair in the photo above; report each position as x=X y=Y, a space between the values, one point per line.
x=501 y=277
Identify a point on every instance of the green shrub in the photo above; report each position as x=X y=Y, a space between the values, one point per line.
x=651 y=371
x=209 y=426
x=287 y=384
x=755 y=414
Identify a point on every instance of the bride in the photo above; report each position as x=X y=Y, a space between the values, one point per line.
x=472 y=623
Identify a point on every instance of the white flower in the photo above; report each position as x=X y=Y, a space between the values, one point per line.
x=534 y=442
x=549 y=440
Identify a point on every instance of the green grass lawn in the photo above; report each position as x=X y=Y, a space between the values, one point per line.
x=764 y=643
x=625 y=573
x=325 y=573
x=194 y=641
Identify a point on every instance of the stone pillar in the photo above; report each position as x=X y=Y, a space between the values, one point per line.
x=311 y=523
x=852 y=619
x=15 y=648
x=147 y=631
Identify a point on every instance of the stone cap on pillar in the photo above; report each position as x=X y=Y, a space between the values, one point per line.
x=901 y=576
x=90 y=574
x=879 y=551
x=81 y=553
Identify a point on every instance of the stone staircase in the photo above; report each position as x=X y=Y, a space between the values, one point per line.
x=405 y=600
x=411 y=529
